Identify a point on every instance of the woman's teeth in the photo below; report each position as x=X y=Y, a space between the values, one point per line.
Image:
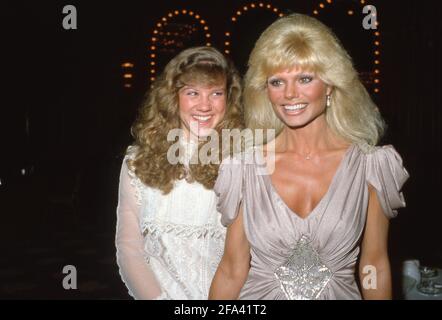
x=295 y=107
x=202 y=118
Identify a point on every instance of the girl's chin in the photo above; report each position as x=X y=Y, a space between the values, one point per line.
x=202 y=133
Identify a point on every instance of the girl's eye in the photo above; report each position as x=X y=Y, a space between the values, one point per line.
x=192 y=93
x=305 y=79
x=275 y=82
x=218 y=93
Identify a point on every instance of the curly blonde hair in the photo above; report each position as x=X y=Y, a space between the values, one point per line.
x=301 y=41
x=160 y=113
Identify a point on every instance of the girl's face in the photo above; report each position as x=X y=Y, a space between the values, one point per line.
x=201 y=108
x=298 y=97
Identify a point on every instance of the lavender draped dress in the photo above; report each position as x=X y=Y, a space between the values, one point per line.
x=312 y=257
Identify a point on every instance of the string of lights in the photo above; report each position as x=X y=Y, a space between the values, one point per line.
x=160 y=25
x=374 y=74
x=159 y=33
x=242 y=11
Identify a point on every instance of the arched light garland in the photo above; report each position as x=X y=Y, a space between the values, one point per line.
x=376 y=35
x=159 y=26
x=243 y=10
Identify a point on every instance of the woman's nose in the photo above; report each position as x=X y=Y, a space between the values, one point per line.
x=291 y=91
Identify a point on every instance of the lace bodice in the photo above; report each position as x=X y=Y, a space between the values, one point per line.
x=168 y=246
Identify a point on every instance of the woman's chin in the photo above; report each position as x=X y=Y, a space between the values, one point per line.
x=293 y=123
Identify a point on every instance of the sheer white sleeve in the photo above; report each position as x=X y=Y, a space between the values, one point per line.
x=131 y=258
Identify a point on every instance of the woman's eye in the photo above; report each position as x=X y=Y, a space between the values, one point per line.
x=306 y=79
x=218 y=93
x=275 y=82
x=192 y=93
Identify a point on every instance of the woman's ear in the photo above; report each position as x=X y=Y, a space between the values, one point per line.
x=329 y=90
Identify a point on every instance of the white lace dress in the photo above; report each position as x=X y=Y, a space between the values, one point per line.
x=168 y=246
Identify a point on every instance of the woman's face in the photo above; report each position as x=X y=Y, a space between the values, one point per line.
x=201 y=108
x=298 y=97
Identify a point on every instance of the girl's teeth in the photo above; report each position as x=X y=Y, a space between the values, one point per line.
x=201 y=118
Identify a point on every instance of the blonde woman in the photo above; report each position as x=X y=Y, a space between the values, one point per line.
x=298 y=232
x=169 y=238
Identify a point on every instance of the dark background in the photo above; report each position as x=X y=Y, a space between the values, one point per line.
x=65 y=119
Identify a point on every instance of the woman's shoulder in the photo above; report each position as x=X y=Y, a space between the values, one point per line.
x=369 y=153
x=378 y=161
x=249 y=156
x=386 y=157
x=386 y=173
x=381 y=157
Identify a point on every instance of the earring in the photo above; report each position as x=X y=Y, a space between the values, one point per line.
x=328 y=101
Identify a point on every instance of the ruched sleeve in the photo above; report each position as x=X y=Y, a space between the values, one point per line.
x=387 y=175
x=131 y=258
x=228 y=188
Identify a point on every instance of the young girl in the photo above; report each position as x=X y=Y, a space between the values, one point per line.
x=169 y=238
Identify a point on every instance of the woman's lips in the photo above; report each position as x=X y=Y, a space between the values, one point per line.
x=295 y=109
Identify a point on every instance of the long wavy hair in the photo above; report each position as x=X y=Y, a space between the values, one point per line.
x=160 y=113
x=301 y=41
